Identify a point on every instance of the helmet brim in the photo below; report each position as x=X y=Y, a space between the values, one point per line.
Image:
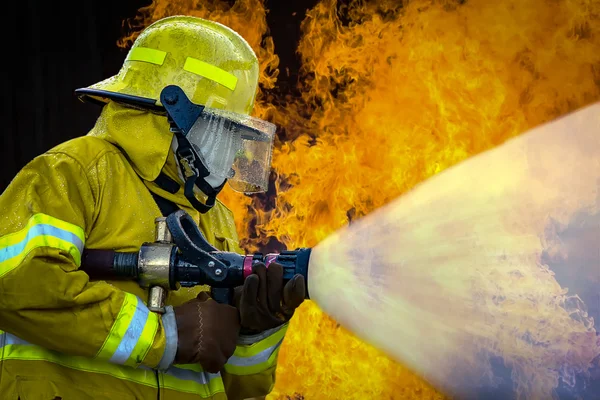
x=101 y=97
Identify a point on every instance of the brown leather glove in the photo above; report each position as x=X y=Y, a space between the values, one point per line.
x=207 y=332
x=264 y=302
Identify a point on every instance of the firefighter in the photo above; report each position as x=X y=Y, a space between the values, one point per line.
x=64 y=336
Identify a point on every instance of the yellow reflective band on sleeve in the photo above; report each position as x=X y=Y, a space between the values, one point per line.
x=132 y=334
x=148 y=55
x=41 y=231
x=258 y=357
x=210 y=72
x=253 y=365
x=13 y=348
x=258 y=347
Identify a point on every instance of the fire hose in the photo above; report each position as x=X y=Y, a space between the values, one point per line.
x=182 y=257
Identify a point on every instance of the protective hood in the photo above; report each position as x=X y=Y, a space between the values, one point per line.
x=145 y=139
x=143 y=136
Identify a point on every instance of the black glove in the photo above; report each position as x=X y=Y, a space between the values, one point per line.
x=207 y=331
x=264 y=302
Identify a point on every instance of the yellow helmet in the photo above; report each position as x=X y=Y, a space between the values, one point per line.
x=213 y=65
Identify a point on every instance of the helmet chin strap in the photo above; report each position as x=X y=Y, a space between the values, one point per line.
x=195 y=174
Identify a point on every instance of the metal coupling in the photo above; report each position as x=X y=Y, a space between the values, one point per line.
x=154 y=264
x=162 y=233
x=156 y=299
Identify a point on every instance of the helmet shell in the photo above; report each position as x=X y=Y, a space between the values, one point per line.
x=212 y=63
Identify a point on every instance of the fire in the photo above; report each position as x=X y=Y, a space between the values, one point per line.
x=391 y=93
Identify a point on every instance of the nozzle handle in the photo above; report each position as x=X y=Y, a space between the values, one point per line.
x=185 y=233
x=194 y=251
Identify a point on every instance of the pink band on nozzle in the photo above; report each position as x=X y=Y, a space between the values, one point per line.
x=249 y=262
x=270 y=258
x=248 y=266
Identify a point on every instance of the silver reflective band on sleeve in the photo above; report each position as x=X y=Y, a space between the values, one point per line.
x=199 y=376
x=259 y=358
x=202 y=377
x=251 y=339
x=40 y=230
x=132 y=335
x=170 y=327
x=7 y=339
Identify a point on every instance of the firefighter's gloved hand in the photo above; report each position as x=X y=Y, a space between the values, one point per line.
x=207 y=332
x=264 y=302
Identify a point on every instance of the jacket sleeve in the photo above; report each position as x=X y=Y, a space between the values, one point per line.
x=250 y=372
x=46 y=213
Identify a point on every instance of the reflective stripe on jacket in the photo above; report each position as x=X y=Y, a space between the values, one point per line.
x=64 y=336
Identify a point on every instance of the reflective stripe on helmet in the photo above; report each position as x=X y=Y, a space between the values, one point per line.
x=210 y=72
x=132 y=334
x=183 y=378
x=146 y=54
x=195 y=46
x=41 y=231
x=192 y=65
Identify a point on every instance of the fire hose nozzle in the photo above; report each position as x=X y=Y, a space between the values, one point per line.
x=181 y=256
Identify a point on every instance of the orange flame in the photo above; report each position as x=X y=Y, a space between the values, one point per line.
x=391 y=93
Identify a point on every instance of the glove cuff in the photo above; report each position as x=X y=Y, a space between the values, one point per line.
x=170 y=327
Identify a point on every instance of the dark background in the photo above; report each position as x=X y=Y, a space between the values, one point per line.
x=53 y=48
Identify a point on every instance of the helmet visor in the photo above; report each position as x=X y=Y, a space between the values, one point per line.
x=235 y=147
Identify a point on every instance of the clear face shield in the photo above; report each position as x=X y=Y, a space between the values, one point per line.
x=235 y=147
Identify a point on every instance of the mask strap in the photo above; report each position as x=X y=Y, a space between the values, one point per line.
x=167 y=184
x=194 y=172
